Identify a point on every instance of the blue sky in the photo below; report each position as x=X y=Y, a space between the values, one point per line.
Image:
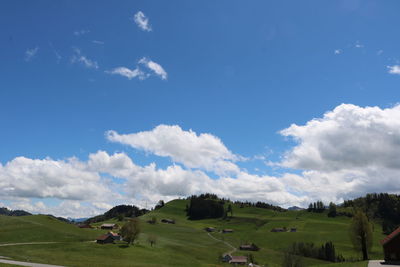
x=240 y=71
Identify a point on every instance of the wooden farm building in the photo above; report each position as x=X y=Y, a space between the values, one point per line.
x=109 y=226
x=115 y=236
x=168 y=221
x=210 y=229
x=227 y=231
x=238 y=260
x=84 y=226
x=391 y=246
x=278 y=230
x=105 y=239
x=251 y=247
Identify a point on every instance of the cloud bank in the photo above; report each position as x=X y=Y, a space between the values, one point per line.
x=346 y=153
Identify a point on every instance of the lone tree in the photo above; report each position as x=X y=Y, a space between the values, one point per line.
x=361 y=233
x=130 y=231
x=230 y=210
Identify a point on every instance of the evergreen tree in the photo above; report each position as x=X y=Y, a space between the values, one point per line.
x=332 y=210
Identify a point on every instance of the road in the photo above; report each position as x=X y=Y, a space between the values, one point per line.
x=377 y=263
x=31 y=264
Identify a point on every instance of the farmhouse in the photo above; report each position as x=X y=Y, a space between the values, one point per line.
x=115 y=236
x=168 y=221
x=293 y=230
x=275 y=230
x=210 y=229
x=251 y=247
x=391 y=246
x=105 y=239
x=84 y=226
x=109 y=226
x=238 y=260
x=227 y=231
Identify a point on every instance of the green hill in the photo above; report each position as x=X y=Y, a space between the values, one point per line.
x=40 y=228
x=184 y=243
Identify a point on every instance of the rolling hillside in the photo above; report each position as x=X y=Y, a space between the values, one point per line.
x=182 y=244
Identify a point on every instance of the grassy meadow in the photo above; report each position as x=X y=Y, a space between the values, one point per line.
x=184 y=243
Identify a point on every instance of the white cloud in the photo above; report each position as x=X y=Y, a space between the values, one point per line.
x=194 y=151
x=155 y=67
x=128 y=73
x=395 y=69
x=142 y=21
x=348 y=152
x=358 y=45
x=337 y=51
x=97 y=42
x=79 y=58
x=81 y=32
x=47 y=178
x=31 y=53
x=138 y=72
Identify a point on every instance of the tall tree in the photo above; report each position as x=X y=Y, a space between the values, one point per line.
x=361 y=233
x=130 y=231
x=229 y=209
x=332 y=210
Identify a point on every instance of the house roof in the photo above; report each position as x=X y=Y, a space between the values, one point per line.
x=391 y=236
x=113 y=234
x=103 y=237
x=108 y=225
x=238 y=259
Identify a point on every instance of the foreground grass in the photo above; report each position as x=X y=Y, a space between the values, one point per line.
x=184 y=243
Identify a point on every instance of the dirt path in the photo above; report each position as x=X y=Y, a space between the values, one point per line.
x=27 y=243
x=31 y=264
x=226 y=243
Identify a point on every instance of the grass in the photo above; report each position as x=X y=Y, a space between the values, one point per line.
x=184 y=243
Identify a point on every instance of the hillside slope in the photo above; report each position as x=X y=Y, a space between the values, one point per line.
x=40 y=228
x=184 y=243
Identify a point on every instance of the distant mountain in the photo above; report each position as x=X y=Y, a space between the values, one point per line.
x=121 y=210
x=7 y=212
x=77 y=220
x=295 y=208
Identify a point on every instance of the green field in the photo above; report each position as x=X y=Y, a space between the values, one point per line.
x=182 y=244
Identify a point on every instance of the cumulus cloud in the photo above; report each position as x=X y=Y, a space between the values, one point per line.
x=31 y=53
x=47 y=178
x=348 y=152
x=142 y=21
x=194 y=151
x=395 y=69
x=79 y=58
x=337 y=51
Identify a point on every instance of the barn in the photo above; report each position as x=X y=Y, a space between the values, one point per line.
x=391 y=246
